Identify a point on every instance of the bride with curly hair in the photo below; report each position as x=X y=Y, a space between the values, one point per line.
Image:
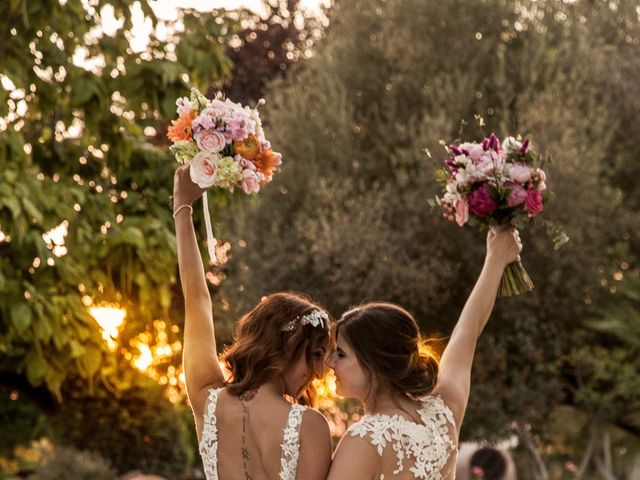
x=247 y=428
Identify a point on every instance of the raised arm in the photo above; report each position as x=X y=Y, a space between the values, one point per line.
x=200 y=360
x=454 y=380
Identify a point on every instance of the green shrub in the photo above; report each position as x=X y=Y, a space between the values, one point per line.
x=136 y=429
x=67 y=463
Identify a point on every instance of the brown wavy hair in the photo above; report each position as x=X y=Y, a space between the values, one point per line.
x=262 y=351
x=388 y=344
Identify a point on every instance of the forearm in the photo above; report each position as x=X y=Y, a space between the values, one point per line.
x=199 y=351
x=454 y=380
x=192 y=275
x=477 y=309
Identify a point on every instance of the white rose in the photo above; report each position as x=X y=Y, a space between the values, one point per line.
x=510 y=144
x=203 y=168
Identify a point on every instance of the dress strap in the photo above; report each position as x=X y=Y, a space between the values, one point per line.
x=291 y=443
x=209 y=439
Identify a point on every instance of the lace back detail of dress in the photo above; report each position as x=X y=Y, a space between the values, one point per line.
x=427 y=451
x=291 y=444
x=209 y=439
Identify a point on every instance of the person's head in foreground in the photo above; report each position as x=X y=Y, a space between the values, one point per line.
x=379 y=350
x=283 y=339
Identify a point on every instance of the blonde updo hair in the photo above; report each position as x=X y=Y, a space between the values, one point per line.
x=388 y=345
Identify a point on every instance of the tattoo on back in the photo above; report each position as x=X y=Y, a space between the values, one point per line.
x=244 y=451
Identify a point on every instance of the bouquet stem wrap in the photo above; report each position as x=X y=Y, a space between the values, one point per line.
x=211 y=241
x=515 y=280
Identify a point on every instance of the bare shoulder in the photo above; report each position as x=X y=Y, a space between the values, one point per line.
x=315 y=446
x=355 y=457
x=315 y=423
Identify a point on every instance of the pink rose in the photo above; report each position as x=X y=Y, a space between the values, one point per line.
x=210 y=140
x=480 y=201
x=520 y=173
x=462 y=212
x=203 y=168
x=250 y=182
x=533 y=202
x=517 y=196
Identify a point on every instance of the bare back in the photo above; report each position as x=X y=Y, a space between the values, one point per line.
x=258 y=438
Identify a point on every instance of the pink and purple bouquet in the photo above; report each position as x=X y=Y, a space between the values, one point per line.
x=224 y=143
x=495 y=185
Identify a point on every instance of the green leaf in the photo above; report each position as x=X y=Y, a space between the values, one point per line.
x=32 y=210
x=76 y=348
x=82 y=91
x=92 y=361
x=42 y=328
x=36 y=367
x=21 y=316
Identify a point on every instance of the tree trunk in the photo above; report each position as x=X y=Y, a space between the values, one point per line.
x=527 y=439
x=584 y=464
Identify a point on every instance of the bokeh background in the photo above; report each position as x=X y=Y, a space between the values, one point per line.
x=360 y=95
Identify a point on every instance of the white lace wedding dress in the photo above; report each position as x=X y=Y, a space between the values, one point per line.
x=410 y=450
x=290 y=444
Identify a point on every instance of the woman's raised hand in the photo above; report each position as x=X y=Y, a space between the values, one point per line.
x=503 y=246
x=185 y=192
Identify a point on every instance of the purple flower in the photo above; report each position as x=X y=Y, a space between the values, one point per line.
x=517 y=195
x=481 y=203
x=525 y=147
x=494 y=143
x=451 y=164
x=237 y=129
x=205 y=121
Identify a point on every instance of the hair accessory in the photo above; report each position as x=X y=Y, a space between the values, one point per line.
x=317 y=318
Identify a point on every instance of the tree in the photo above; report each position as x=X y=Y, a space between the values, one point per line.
x=268 y=46
x=75 y=153
x=348 y=219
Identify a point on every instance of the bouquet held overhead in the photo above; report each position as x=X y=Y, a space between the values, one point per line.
x=496 y=185
x=224 y=144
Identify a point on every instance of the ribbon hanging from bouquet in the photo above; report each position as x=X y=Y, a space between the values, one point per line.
x=211 y=241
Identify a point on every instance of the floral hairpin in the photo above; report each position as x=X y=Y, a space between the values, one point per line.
x=317 y=318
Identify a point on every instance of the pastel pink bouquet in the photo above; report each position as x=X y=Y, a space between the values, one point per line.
x=224 y=144
x=496 y=185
